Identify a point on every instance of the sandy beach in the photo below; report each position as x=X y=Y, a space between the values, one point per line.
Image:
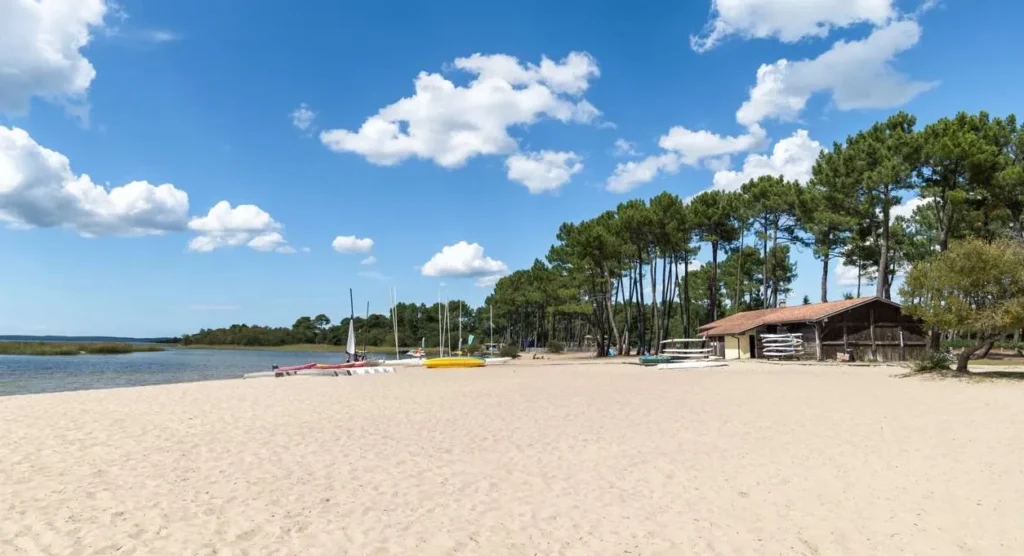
x=531 y=458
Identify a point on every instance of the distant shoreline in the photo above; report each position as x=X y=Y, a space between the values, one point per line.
x=74 y=348
x=325 y=348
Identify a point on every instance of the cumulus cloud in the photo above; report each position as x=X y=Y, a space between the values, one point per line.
x=907 y=208
x=302 y=117
x=629 y=175
x=371 y=260
x=40 y=52
x=792 y=157
x=625 y=148
x=857 y=74
x=465 y=260
x=787 y=21
x=352 y=244
x=227 y=226
x=847 y=276
x=487 y=281
x=39 y=189
x=449 y=123
x=543 y=171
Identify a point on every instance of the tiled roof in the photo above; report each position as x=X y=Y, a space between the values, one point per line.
x=747 y=320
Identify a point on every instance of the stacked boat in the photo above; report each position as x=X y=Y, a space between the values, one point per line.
x=684 y=353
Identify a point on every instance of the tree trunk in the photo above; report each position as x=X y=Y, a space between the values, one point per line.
x=654 y=305
x=713 y=285
x=611 y=311
x=686 y=296
x=882 y=286
x=641 y=312
x=764 y=275
x=775 y=271
x=965 y=357
x=984 y=350
x=824 y=279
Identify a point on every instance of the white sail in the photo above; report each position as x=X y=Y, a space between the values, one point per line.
x=350 y=347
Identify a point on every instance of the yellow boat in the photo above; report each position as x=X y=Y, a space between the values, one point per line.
x=453 y=362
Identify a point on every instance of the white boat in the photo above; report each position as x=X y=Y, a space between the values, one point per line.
x=369 y=370
x=690 y=365
x=782 y=345
x=410 y=362
x=688 y=349
x=497 y=360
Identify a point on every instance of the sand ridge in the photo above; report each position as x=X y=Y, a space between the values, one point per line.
x=580 y=458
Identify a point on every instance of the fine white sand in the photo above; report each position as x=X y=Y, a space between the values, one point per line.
x=531 y=458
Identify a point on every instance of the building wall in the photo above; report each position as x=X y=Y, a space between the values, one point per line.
x=737 y=347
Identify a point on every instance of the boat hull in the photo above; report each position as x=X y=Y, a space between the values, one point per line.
x=453 y=363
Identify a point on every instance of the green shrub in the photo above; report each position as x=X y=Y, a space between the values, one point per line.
x=473 y=349
x=510 y=350
x=932 y=361
x=554 y=346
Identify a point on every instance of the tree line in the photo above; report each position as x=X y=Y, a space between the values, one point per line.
x=631 y=273
x=633 y=276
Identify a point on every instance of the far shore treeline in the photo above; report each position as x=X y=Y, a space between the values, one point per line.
x=630 y=277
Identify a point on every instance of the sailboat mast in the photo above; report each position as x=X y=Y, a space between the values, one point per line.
x=394 y=317
x=365 y=323
x=491 y=309
x=440 y=336
x=460 y=325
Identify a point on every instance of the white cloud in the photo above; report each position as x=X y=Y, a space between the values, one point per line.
x=683 y=146
x=626 y=148
x=847 y=276
x=161 y=35
x=271 y=241
x=352 y=244
x=787 y=20
x=857 y=74
x=465 y=260
x=306 y=249
x=487 y=281
x=224 y=226
x=39 y=189
x=543 y=171
x=371 y=260
x=449 y=123
x=634 y=173
x=907 y=209
x=40 y=52
x=303 y=116
x=695 y=146
x=792 y=157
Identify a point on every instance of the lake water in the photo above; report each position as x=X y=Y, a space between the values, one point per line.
x=25 y=374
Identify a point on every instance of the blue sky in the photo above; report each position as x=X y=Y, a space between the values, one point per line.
x=202 y=96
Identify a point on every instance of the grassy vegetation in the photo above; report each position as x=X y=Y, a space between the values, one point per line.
x=73 y=348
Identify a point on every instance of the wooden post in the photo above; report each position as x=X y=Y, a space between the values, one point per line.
x=903 y=347
x=874 y=346
x=817 y=341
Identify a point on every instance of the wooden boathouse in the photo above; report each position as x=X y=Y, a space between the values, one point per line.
x=865 y=328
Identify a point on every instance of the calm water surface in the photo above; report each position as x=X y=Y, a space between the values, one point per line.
x=24 y=374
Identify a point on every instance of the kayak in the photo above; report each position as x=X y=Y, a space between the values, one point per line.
x=453 y=363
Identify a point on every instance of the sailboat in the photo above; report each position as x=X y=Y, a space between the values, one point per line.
x=417 y=358
x=453 y=362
